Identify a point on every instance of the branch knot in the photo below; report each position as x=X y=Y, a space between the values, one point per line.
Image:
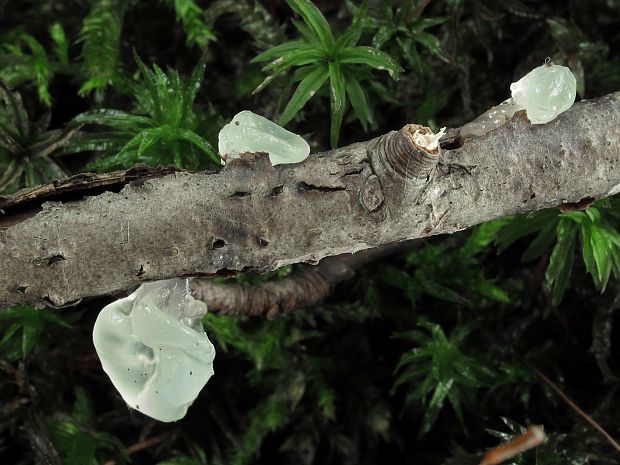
x=411 y=152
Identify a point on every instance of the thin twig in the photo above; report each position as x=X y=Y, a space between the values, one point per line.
x=580 y=412
x=305 y=287
x=148 y=442
x=534 y=436
x=137 y=447
x=418 y=10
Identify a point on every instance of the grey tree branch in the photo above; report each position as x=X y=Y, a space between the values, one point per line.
x=252 y=216
x=306 y=286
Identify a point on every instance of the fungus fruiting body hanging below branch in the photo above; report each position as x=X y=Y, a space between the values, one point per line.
x=544 y=93
x=152 y=346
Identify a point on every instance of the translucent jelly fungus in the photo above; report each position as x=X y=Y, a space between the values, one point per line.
x=544 y=93
x=491 y=119
x=249 y=132
x=153 y=347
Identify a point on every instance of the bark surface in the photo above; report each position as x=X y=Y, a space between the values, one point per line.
x=70 y=244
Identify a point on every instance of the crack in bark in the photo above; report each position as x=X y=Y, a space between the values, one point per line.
x=277 y=190
x=239 y=194
x=304 y=186
x=55 y=259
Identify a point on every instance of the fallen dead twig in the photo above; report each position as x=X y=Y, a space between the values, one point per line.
x=533 y=437
x=579 y=411
x=145 y=444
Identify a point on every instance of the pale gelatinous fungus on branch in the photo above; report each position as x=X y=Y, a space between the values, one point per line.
x=544 y=93
x=252 y=133
x=154 y=349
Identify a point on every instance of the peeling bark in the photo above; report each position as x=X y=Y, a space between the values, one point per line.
x=252 y=216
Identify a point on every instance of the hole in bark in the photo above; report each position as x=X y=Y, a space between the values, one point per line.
x=49 y=301
x=533 y=196
x=137 y=182
x=453 y=144
x=21 y=289
x=276 y=191
x=54 y=259
x=218 y=244
x=303 y=186
x=581 y=205
x=140 y=272
x=228 y=273
x=263 y=242
x=240 y=194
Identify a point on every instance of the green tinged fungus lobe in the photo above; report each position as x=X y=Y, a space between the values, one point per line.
x=154 y=349
x=249 y=132
x=544 y=93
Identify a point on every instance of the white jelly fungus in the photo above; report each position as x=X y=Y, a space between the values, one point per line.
x=491 y=119
x=544 y=93
x=154 y=349
x=249 y=132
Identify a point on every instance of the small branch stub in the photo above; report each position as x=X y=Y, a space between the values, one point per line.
x=409 y=153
